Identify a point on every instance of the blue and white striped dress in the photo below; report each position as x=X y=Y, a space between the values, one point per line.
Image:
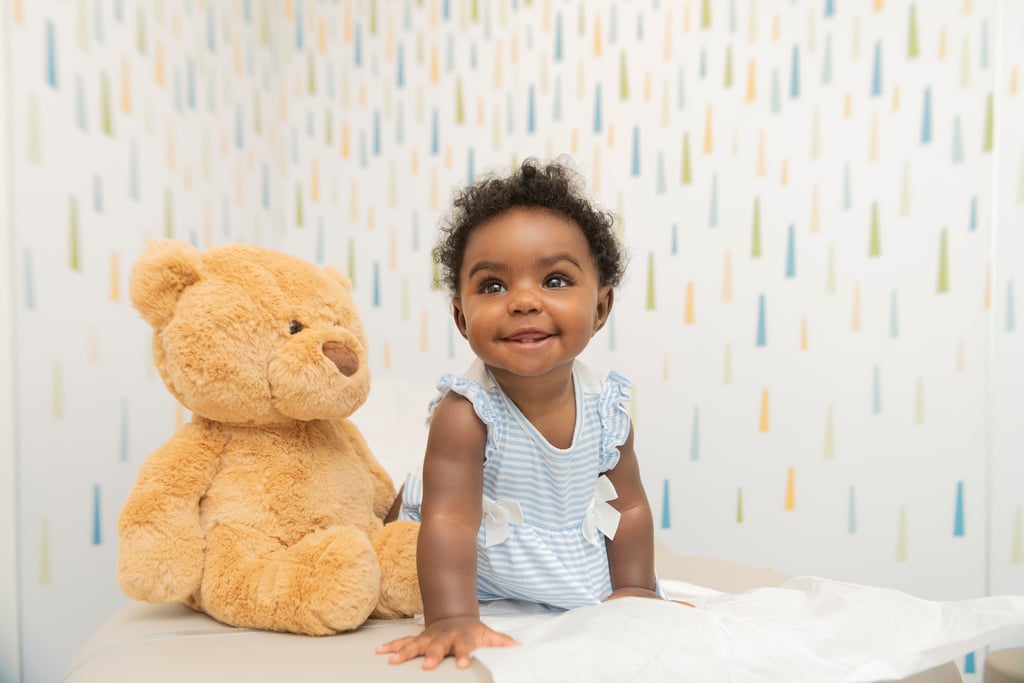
x=545 y=510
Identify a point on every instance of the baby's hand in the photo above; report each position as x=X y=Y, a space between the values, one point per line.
x=631 y=592
x=457 y=636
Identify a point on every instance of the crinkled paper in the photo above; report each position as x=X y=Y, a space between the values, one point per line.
x=807 y=630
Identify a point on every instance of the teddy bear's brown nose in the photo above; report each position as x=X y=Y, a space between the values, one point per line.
x=342 y=356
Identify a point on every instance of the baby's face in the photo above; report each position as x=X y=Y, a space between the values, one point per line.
x=529 y=297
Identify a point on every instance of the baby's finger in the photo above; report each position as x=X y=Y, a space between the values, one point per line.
x=503 y=641
x=499 y=639
x=462 y=649
x=433 y=653
x=393 y=645
x=410 y=649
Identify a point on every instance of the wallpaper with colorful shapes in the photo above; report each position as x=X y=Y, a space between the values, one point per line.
x=823 y=202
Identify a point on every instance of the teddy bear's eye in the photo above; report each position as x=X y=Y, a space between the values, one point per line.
x=294 y=327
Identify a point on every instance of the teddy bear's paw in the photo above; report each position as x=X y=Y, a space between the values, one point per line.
x=325 y=584
x=348 y=580
x=343 y=582
x=395 y=546
x=154 y=568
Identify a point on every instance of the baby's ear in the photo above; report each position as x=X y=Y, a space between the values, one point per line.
x=339 y=277
x=159 y=276
x=458 y=316
x=605 y=300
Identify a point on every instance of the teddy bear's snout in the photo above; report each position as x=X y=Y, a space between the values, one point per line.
x=344 y=357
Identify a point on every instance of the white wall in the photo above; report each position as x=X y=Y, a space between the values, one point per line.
x=10 y=642
x=1006 y=477
x=225 y=121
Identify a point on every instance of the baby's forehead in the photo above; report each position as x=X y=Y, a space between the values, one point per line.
x=522 y=217
x=538 y=211
x=527 y=229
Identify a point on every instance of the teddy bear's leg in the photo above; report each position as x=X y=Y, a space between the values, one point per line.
x=325 y=583
x=395 y=545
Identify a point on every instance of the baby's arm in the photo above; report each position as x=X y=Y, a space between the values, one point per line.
x=631 y=553
x=446 y=551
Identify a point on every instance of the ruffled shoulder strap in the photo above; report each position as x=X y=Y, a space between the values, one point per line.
x=479 y=388
x=613 y=409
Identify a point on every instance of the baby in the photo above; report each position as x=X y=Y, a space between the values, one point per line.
x=530 y=487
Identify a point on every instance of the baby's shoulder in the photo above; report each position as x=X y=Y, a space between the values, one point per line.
x=477 y=386
x=454 y=407
x=455 y=423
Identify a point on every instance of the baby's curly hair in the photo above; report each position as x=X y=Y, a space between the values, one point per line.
x=556 y=187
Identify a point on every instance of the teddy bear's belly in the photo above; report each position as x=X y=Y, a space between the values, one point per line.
x=289 y=495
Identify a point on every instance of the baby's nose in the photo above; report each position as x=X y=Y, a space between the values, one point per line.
x=524 y=300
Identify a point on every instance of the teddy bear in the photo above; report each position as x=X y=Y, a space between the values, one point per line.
x=267 y=509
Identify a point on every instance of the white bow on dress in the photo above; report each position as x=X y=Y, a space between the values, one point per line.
x=600 y=515
x=499 y=515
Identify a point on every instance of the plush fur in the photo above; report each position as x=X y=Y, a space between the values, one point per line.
x=266 y=510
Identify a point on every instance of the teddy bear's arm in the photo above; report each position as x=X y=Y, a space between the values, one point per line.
x=384 y=487
x=161 y=546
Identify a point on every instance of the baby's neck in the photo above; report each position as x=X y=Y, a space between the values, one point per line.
x=548 y=402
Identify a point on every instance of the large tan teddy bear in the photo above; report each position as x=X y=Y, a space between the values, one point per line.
x=266 y=510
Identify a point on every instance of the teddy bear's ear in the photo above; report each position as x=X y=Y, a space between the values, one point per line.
x=340 y=277
x=159 y=276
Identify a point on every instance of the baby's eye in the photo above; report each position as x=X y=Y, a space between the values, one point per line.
x=294 y=327
x=554 y=281
x=491 y=287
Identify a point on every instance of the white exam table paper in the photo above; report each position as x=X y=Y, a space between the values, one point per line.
x=808 y=630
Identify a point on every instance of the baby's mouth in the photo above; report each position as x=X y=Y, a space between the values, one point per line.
x=528 y=337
